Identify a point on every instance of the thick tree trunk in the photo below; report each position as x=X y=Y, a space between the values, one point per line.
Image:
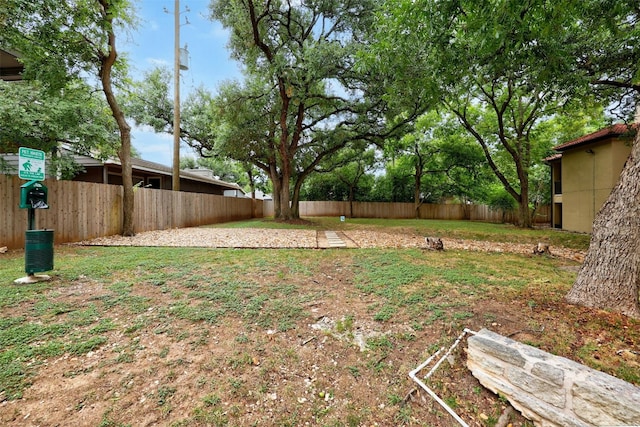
x=524 y=214
x=285 y=200
x=610 y=274
x=351 y=197
x=285 y=191
x=416 y=194
x=275 y=181
x=295 y=201
x=417 y=182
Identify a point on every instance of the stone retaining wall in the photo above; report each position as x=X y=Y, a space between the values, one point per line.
x=551 y=390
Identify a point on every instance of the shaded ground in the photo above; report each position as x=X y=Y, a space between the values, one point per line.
x=270 y=338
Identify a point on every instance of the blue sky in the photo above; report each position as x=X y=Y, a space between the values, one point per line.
x=151 y=45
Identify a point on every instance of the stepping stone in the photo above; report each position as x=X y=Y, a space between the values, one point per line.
x=334 y=240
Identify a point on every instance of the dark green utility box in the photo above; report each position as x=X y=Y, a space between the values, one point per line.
x=38 y=251
x=33 y=194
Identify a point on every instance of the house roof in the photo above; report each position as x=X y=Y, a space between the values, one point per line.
x=10 y=68
x=136 y=164
x=553 y=157
x=148 y=166
x=616 y=130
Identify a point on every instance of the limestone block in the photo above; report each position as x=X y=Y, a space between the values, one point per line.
x=534 y=386
x=605 y=400
x=496 y=384
x=532 y=352
x=497 y=346
x=489 y=364
x=538 y=411
x=551 y=390
x=548 y=372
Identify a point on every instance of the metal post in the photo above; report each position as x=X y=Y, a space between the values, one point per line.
x=31 y=219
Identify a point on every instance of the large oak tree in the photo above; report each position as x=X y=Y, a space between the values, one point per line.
x=516 y=59
x=304 y=99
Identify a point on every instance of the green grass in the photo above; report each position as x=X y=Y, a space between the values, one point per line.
x=268 y=223
x=429 y=288
x=100 y=296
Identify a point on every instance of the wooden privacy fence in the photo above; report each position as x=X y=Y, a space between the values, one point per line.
x=407 y=210
x=82 y=210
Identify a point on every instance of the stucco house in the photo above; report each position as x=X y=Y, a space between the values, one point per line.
x=583 y=173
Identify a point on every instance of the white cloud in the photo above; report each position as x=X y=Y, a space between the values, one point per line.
x=154 y=147
x=158 y=62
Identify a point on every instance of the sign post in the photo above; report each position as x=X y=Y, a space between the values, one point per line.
x=33 y=195
x=31 y=164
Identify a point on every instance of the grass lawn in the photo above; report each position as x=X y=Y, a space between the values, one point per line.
x=234 y=337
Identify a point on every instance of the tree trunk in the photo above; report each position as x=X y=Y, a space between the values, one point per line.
x=295 y=200
x=127 y=183
x=285 y=179
x=524 y=214
x=124 y=152
x=417 y=181
x=610 y=274
x=252 y=185
x=275 y=181
x=351 y=197
x=416 y=194
x=285 y=200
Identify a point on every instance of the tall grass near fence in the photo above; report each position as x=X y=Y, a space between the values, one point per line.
x=83 y=210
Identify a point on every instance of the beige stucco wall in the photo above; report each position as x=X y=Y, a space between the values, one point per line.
x=587 y=181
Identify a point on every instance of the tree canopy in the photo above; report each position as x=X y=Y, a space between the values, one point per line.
x=303 y=97
x=39 y=118
x=492 y=65
x=62 y=41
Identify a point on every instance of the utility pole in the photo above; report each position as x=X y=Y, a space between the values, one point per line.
x=177 y=66
x=176 y=98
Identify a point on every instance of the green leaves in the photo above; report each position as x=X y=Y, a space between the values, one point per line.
x=38 y=118
x=503 y=67
x=148 y=102
x=304 y=100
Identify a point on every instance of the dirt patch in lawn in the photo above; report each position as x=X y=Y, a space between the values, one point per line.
x=285 y=347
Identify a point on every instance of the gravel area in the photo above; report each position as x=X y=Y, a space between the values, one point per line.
x=281 y=238
x=215 y=238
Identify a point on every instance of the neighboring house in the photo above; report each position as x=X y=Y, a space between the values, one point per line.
x=154 y=175
x=145 y=174
x=10 y=68
x=583 y=173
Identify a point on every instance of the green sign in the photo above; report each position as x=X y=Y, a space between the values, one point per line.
x=31 y=164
